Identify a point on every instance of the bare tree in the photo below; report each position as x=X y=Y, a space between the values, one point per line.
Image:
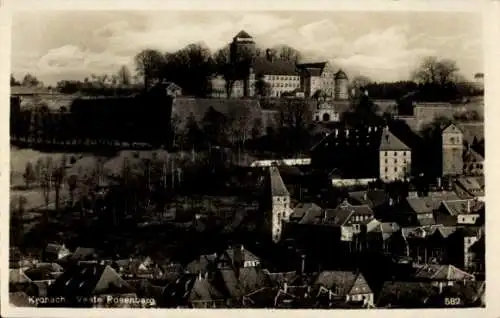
x=176 y=122
x=360 y=81
x=46 y=180
x=148 y=64
x=435 y=71
x=240 y=121
x=29 y=175
x=72 y=182
x=287 y=53
x=225 y=67
x=59 y=173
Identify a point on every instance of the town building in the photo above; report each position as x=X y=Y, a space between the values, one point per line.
x=452 y=151
x=364 y=153
x=473 y=163
x=395 y=158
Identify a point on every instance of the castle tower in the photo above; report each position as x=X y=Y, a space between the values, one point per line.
x=341 y=91
x=242 y=51
x=452 y=151
x=280 y=204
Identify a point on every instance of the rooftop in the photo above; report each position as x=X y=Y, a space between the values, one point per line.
x=278 y=187
x=389 y=142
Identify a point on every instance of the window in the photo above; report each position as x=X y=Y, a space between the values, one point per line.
x=386 y=169
x=395 y=153
x=386 y=153
x=395 y=160
x=395 y=169
x=385 y=160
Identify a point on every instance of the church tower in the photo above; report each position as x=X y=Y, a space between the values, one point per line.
x=452 y=151
x=280 y=204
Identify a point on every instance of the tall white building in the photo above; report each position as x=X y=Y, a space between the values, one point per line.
x=394 y=158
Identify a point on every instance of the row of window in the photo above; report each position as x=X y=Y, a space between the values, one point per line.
x=396 y=169
x=285 y=85
x=386 y=153
x=283 y=78
x=396 y=161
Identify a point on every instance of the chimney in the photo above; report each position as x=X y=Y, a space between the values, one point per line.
x=347 y=132
x=336 y=132
x=369 y=129
x=365 y=196
x=468 y=206
x=285 y=287
x=199 y=276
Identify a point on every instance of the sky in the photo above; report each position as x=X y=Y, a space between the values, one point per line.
x=384 y=46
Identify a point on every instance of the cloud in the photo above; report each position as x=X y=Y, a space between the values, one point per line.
x=383 y=51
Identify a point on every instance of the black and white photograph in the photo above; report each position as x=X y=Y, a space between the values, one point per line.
x=225 y=159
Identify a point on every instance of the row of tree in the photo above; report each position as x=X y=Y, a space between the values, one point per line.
x=192 y=66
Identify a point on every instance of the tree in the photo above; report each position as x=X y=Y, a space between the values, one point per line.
x=58 y=177
x=72 y=182
x=30 y=80
x=149 y=63
x=225 y=67
x=287 y=53
x=175 y=124
x=46 y=181
x=214 y=126
x=13 y=81
x=194 y=136
x=240 y=125
x=360 y=82
x=124 y=76
x=17 y=208
x=435 y=71
x=29 y=174
x=262 y=88
x=257 y=128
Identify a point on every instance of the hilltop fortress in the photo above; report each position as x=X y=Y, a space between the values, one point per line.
x=283 y=77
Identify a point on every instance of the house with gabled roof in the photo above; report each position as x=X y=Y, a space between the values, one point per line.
x=442 y=275
x=87 y=280
x=394 y=156
x=54 y=252
x=470 y=187
x=473 y=163
x=460 y=212
x=346 y=285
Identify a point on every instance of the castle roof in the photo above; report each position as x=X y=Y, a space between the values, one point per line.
x=263 y=66
x=243 y=35
x=313 y=69
x=389 y=142
x=340 y=75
